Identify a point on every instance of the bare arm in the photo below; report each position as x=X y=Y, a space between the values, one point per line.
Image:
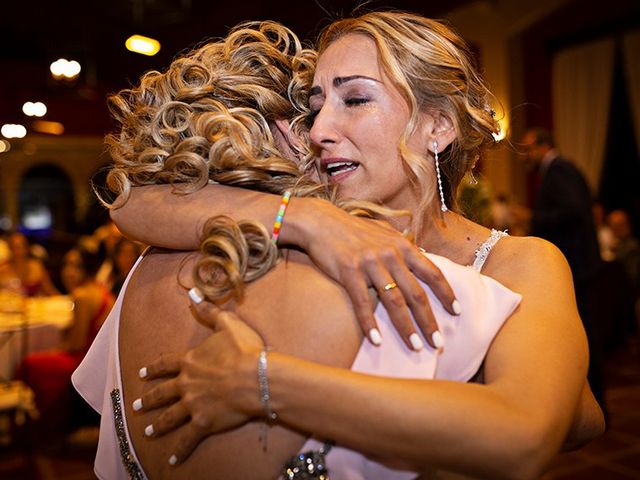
x=357 y=253
x=509 y=427
x=588 y=422
x=156 y=216
x=512 y=425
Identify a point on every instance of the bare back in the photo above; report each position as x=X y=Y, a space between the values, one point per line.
x=295 y=308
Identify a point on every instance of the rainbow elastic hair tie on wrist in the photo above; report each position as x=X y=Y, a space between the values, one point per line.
x=281 y=211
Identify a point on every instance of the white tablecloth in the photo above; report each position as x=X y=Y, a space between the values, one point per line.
x=42 y=320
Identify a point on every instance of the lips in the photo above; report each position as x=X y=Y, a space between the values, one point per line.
x=339 y=168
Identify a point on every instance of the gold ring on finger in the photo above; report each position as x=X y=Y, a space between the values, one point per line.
x=388 y=286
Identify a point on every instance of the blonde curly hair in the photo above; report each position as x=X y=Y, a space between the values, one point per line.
x=432 y=67
x=209 y=119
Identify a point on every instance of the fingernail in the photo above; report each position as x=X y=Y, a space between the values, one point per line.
x=455 y=306
x=142 y=373
x=137 y=404
x=173 y=460
x=375 y=337
x=196 y=295
x=436 y=338
x=415 y=341
x=148 y=430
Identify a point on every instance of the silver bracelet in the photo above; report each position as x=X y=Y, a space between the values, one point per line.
x=263 y=382
x=265 y=398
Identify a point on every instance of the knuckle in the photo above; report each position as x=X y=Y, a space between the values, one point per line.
x=418 y=297
x=182 y=383
x=390 y=254
x=396 y=299
x=350 y=266
x=165 y=419
x=437 y=274
x=201 y=422
x=361 y=302
x=152 y=397
x=368 y=257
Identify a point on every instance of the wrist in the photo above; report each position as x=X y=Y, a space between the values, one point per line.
x=301 y=221
x=247 y=387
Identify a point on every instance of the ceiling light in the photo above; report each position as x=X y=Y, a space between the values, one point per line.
x=63 y=68
x=34 y=109
x=4 y=146
x=144 y=45
x=10 y=130
x=43 y=126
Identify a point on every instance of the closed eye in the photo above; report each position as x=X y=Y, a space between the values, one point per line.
x=355 y=101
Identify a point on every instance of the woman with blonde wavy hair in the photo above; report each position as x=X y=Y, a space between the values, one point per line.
x=213 y=117
x=370 y=118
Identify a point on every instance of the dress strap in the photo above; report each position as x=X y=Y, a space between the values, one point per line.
x=483 y=251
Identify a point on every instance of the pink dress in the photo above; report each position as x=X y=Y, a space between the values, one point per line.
x=486 y=305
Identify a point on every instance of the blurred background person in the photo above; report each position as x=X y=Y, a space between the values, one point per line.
x=105 y=238
x=124 y=256
x=625 y=247
x=626 y=250
x=48 y=374
x=562 y=214
x=22 y=272
x=606 y=240
x=4 y=248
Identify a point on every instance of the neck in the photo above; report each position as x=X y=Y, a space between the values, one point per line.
x=450 y=235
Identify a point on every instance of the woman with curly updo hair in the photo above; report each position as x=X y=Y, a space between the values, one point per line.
x=390 y=103
x=220 y=114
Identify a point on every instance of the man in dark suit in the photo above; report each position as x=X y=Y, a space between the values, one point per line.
x=562 y=210
x=562 y=214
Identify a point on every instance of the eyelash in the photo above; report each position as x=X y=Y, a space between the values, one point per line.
x=350 y=102
x=354 y=102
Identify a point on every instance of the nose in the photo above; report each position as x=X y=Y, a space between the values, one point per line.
x=323 y=131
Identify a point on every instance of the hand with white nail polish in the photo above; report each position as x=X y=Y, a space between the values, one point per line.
x=197 y=387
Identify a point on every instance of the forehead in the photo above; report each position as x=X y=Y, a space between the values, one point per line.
x=351 y=54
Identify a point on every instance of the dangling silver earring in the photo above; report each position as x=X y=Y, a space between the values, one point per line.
x=443 y=206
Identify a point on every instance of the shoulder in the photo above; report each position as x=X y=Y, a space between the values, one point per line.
x=528 y=249
x=516 y=261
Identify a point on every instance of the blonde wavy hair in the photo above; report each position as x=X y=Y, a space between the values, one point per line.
x=432 y=68
x=208 y=119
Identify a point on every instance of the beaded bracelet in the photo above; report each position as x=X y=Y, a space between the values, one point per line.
x=281 y=211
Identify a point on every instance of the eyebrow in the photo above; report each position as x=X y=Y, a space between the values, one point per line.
x=338 y=81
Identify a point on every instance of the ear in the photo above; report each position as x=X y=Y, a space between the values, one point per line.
x=292 y=140
x=438 y=127
x=283 y=126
